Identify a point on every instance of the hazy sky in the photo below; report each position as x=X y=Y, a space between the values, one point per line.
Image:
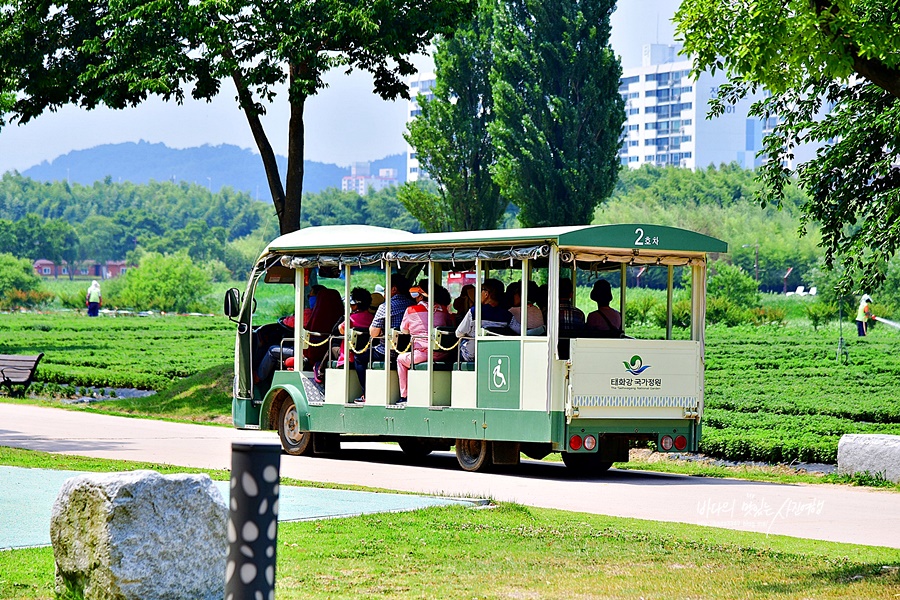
x=344 y=123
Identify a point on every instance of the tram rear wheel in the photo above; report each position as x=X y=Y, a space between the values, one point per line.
x=473 y=455
x=585 y=464
x=415 y=448
x=294 y=441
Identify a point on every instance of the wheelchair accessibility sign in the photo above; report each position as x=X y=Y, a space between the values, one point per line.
x=498 y=380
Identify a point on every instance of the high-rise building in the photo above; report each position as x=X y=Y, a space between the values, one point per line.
x=666 y=120
x=421 y=83
x=360 y=180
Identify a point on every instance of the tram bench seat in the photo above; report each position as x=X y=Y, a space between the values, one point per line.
x=464 y=366
x=438 y=366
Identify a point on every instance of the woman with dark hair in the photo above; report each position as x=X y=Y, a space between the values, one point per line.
x=360 y=317
x=604 y=318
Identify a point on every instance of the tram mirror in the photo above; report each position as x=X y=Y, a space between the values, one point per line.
x=232 y=303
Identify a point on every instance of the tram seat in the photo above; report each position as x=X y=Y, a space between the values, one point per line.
x=438 y=366
x=464 y=366
x=505 y=330
x=400 y=342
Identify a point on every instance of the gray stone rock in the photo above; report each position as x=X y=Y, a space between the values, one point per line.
x=874 y=453
x=140 y=535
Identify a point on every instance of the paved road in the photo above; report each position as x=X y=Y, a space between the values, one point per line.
x=823 y=512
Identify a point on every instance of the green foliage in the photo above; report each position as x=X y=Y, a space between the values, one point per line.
x=838 y=58
x=118 y=54
x=17 y=299
x=17 y=274
x=768 y=315
x=732 y=283
x=719 y=201
x=334 y=207
x=165 y=283
x=725 y=311
x=559 y=113
x=820 y=313
x=640 y=307
x=451 y=135
x=681 y=314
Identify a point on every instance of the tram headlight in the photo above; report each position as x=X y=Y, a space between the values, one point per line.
x=575 y=442
x=680 y=442
x=666 y=442
x=590 y=442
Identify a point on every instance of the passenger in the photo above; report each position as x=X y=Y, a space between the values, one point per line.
x=360 y=317
x=400 y=301
x=377 y=300
x=326 y=312
x=465 y=301
x=415 y=323
x=604 y=318
x=535 y=325
x=492 y=315
x=311 y=301
x=569 y=316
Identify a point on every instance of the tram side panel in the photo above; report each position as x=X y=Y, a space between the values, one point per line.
x=640 y=387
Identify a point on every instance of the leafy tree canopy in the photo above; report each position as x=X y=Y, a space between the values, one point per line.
x=16 y=274
x=834 y=72
x=120 y=53
x=451 y=135
x=559 y=113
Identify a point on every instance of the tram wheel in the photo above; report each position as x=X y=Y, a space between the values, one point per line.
x=473 y=455
x=415 y=448
x=585 y=464
x=295 y=441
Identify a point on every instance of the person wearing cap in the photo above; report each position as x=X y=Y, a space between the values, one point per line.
x=415 y=323
x=492 y=315
x=863 y=315
x=400 y=300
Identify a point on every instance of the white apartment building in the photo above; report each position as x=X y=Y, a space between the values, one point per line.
x=361 y=181
x=421 y=83
x=666 y=120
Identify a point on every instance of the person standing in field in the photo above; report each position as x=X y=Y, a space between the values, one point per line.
x=863 y=315
x=94 y=299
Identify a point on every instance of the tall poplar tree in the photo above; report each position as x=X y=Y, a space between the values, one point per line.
x=451 y=135
x=558 y=111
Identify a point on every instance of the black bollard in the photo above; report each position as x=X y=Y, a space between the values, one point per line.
x=252 y=521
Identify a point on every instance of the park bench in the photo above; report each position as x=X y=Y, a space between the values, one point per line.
x=18 y=370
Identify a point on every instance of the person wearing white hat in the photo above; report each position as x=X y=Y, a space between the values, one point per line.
x=863 y=315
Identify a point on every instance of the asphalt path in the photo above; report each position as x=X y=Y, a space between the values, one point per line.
x=822 y=512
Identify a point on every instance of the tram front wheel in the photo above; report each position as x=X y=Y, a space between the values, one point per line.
x=585 y=464
x=294 y=441
x=473 y=455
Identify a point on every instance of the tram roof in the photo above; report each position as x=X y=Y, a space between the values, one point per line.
x=351 y=238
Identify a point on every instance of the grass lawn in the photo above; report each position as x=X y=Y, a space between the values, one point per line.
x=515 y=552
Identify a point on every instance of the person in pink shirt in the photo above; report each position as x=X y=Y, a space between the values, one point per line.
x=415 y=323
x=360 y=317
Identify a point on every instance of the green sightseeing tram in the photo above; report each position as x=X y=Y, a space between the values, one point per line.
x=590 y=394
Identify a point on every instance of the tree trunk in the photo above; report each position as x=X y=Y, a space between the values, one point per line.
x=265 y=148
x=290 y=219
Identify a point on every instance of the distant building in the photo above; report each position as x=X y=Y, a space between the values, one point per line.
x=422 y=83
x=83 y=270
x=666 y=112
x=360 y=181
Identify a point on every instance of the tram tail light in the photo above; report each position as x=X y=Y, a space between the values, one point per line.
x=666 y=442
x=680 y=442
x=590 y=442
x=575 y=442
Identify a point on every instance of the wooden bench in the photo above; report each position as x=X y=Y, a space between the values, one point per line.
x=18 y=369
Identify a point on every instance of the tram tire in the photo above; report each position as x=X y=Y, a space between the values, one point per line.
x=415 y=448
x=294 y=441
x=473 y=455
x=585 y=464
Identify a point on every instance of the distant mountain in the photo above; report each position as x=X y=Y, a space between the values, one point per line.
x=214 y=166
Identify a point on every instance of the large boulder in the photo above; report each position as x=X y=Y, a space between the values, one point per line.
x=875 y=453
x=139 y=535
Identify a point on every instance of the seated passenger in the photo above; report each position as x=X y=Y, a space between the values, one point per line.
x=415 y=323
x=604 y=318
x=400 y=301
x=360 y=317
x=535 y=324
x=569 y=316
x=492 y=315
x=465 y=301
